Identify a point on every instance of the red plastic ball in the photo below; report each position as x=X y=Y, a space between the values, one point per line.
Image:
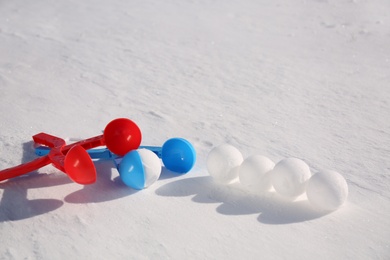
x=122 y=135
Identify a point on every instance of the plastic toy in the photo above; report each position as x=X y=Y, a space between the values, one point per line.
x=138 y=168
x=120 y=136
x=177 y=154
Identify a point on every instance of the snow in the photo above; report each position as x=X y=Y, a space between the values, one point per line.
x=255 y=173
x=290 y=176
x=305 y=79
x=327 y=190
x=223 y=163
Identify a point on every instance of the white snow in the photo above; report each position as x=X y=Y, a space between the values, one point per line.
x=152 y=166
x=327 y=190
x=223 y=163
x=289 y=177
x=254 y=173
x=306 y=79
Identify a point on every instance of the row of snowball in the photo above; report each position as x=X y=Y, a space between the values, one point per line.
x=290 y=177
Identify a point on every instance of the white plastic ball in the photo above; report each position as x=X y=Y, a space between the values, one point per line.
x=223 y=162
x=152 y=166
x=289 y=177
x=327 y=190
x=254 y=173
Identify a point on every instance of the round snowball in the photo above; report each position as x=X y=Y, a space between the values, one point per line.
x=289 y=177
x=223 y=162
x=254 y=173
x=327 y=190
x=152 y=166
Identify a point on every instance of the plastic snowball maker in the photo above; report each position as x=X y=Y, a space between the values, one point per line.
x=177 y=154
x=120 y=136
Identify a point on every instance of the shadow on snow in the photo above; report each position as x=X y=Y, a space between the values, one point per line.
x=233 y=200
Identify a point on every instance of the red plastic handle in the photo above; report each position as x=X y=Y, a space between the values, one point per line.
x=24 y=168
x=86 y=144
x=58 y=157
x=59 y=150
x=48 y=140
x=52 y=141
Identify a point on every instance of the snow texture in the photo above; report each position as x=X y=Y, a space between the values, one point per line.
x=223 y=163
x=254 y=173
x=151 y=165
x=327 y=190
x=289 y=177
x=307 y=79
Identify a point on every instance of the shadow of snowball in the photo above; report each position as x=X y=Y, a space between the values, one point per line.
x=234 y=200
x=186 y=187
x=290 y=212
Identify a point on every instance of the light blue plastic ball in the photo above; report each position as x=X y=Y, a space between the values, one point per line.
x=178 y=155
x=139 y=169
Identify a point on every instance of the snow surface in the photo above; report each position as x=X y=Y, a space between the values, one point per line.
x=306 y=79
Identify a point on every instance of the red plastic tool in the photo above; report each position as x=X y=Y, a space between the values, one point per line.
x=120 y=136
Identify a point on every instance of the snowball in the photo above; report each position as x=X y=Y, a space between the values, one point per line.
x=254 y=173
x=223 y=163
x=152 y=166
x=289 y=177
x=327 y=190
